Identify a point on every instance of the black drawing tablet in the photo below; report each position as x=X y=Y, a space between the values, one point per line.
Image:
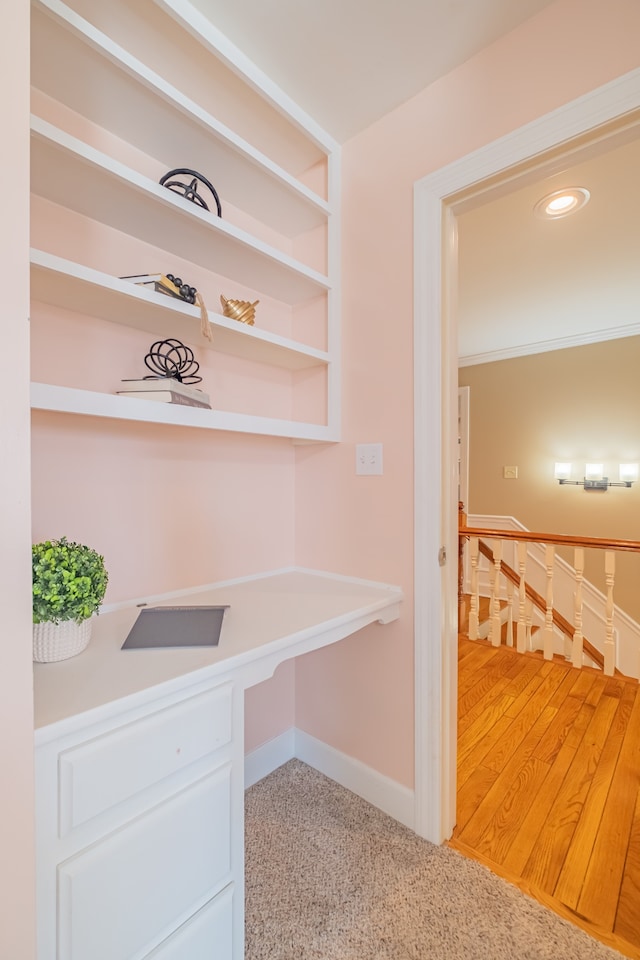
x=176 y=627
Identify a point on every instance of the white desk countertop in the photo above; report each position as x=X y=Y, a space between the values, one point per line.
x=271 y=618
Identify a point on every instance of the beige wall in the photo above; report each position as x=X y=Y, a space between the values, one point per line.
x=578 y=405
x=17 y=907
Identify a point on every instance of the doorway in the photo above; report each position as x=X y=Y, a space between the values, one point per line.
x=587 y=124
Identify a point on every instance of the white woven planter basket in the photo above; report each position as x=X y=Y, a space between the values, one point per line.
x=59 y=641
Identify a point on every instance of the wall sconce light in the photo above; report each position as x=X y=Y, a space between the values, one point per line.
x=593 y=476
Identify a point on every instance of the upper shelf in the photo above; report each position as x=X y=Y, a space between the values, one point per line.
x=71 y=173
x=73 y=286
x=160 y=120
x=195 y=19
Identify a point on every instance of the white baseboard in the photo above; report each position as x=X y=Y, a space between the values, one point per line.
x=268 y=757
x=380 y=791
x=386 y=794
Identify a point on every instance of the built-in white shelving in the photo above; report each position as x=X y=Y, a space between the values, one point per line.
x=96 y=71
x=69 y=172
x=81 y=289
x=157 y=116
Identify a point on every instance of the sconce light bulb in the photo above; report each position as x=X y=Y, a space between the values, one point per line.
x=628 y=472
x=593 y=471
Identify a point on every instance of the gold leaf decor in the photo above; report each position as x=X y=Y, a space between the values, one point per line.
x=241 y=310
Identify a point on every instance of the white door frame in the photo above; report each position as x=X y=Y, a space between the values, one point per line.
x=437 y=199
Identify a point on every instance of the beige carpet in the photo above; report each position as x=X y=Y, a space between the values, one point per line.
x=330 y=877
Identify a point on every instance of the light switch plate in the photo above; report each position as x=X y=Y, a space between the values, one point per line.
x=510 y=473
x=369 y=459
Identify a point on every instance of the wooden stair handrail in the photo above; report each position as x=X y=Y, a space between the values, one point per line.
x=559 y=621
x=527 y=536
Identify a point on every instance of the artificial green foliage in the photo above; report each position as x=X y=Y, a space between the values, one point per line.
x=69 y=581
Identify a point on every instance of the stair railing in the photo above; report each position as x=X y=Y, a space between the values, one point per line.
x=524 y=598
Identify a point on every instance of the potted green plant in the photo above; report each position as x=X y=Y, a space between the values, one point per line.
x=69 y=583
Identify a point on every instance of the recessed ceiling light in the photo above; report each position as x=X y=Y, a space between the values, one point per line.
x=561 y=203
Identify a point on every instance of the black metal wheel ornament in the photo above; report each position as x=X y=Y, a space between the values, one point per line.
x=190 y=190
x=171 y=358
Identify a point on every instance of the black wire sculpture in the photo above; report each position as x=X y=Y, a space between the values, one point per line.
x=171 y=358
x=190 y=190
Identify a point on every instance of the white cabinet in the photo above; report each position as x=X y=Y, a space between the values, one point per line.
x=122 y=94
x=205 y=936
x=139 y=831
x=140 y=769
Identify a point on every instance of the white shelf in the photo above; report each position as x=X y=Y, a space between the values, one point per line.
x=66 y=49
x=90 y=403
x=195 y=20
x=67 y=171
x=75 y=287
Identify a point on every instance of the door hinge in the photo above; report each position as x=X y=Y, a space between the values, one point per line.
x=442 y=556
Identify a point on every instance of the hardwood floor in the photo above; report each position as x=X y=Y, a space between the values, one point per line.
x=549 y=785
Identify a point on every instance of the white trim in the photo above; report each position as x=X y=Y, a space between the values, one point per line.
x=435 y=364
x=268 y=757
x=199 y=26
x=546 y=346
x=388 y=795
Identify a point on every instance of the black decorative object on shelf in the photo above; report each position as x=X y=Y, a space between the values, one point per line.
x=171 y=358
x=186 y=292
x=190 y=190
x=165 y=283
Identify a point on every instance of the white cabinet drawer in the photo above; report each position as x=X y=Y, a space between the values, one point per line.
x=105 y=771
x=121 y=896
x=206 y=936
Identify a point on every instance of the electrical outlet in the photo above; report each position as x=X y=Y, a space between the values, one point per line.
x=369 y=459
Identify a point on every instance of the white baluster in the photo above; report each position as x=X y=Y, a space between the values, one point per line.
x=576 y=653
x=609 y=642
x=550 y=555
x=474 y=600
x=509 y=613
x=496 y=624
x=529 y=621
x=521 y=634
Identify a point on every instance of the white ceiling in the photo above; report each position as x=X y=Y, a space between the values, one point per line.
x=528 y=285
x=348 y=62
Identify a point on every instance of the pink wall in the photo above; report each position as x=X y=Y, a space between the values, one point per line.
x=167 y=508
x=270 y=707
x=170 y=509
x=364 y=526
x=17 y=892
